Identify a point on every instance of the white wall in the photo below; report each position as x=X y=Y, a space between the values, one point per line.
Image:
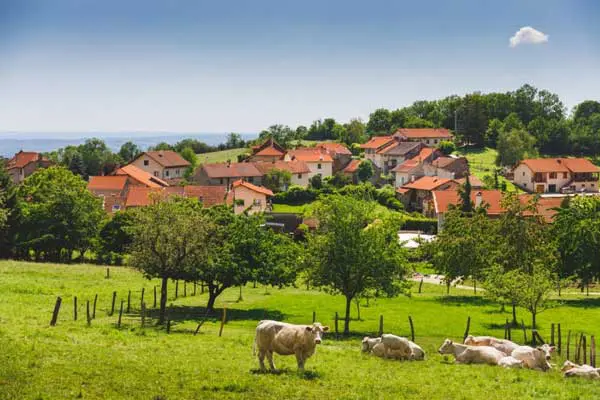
x=151 y=168
x=300 y=179
x=325 y=170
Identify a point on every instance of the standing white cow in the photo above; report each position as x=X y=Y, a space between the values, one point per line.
x=534 y=358
x=465 y=354
x=287 y=339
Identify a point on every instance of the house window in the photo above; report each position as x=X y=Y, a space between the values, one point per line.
x=176 y=172
x=565 y=175
x=299 y=176
x=257 y=202
x=318 y=166
x=552 y=175
x=251 y=179
x=221 y=181
x=167 y=172
x=146 y=163
x=116 y=207
x=156 y=173
x=427 y=141
x=524 y=185
x=523 y=173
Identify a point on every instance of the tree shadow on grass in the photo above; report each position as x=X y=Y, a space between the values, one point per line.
x=464 y=300
x=191 y=313
x=580 y=303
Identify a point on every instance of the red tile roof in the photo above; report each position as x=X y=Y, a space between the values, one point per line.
x=22 y=158
x=116 y=183
x=310 y=155
x=270 y=151
x=248 y=185
x=352 y=166
x=294 y=167
x=268 y=148
x=418 y=133
x=491 y=198
x=427 y=183
x=579 y=165
x=376 y=142
x=335 y=148
x=425 y=153
x=402 y=190
x=575 y=165
x=546 y=206
x=167 y=158
x=140 y=196
x=232 y=170
x=141 y=176
x=208 y=195
x=407 y=165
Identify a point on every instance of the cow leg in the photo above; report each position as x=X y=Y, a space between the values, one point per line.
x=270 y=358
x=261 y=359
x=300 y=360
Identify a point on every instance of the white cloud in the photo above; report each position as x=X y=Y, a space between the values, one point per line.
x=528 y=35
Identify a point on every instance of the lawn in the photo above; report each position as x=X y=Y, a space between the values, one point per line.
x=483 y=162
x=220 y=156
x=72 y=360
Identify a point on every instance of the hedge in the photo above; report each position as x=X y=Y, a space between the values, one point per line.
x=426 y=225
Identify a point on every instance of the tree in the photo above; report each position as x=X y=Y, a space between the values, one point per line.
x=365 y=171
x=354 y=132
x=316 y=182
x=95 y=155
x=129 y=151
x=189 y=155
x=495 y=128
x=77 y=166
x=234 y=141
x=277 y=179
x=380 y=122
x=514 y=146
x=352 y=251
x=161 y=146
x=115 y=236
x=9 y=214
x=584 y=110
x=59 y=214
x=168 y=238
x=282 y=134
x=533 y=289
x=446 y=147
x=466 y=205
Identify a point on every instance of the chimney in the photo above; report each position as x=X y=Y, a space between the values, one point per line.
x=228 y=163
x=478 y=199
x=412 y=178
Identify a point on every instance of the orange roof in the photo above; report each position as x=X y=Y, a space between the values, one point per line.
x=295 y=166
x=546 y=206
x=167 y=158
x=107 y=183
x=140 y=196
x=208 y=195
x=336 y=148
x=231 y=170
x=310 y=155
x=545 y=165
x=352 y=166
x=427 y=183
x=376 y=142
x=22 y=158
x=579 y=165
x=491 y=198
x=270 y=151
x=141 y=176
x=417 y=133
x=425 y=153
x=407 y=165
x=248 y=185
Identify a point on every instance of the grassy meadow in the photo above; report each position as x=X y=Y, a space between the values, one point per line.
x=220 y=156
x=72 y=360
x=483 y=162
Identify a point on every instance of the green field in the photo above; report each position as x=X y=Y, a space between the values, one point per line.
x=72 y=360
x=220 y=156
x=483 y=162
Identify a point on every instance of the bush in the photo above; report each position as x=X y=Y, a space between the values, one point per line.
x=426 y=225
x=446 y=147
x=296 y=195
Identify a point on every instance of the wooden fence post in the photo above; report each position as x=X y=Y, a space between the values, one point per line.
x=421 y=285
x=112 y=308
x=559 y=340
x=551 y=334
x=75 y=308
x=143 y=314
x=223 y=318
x=154 y=304
x=524 y=332
x=176 y=288
x=107 y=273
x=95 y=301
x=56 y=310
x=584 y=349
x=184 y=288
x=194 y=289
x=578 y=349
x=129 y=302
x=593 y=351
x=509 y=331
x=120 y=314
x=168 y=325
x=87 y=313
x=142 y=299
x=568 y=342
x=533 y=338
x=380 y=325
x=506 y=329
x=314 y=317
x=337 y=335
x=468 y=327
x=412 y=329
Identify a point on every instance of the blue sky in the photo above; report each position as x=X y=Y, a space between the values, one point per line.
x=220 y=66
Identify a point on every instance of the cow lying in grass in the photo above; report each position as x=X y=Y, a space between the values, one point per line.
x=397 y=347
x=516 y=356
x=534 y=358
x=286 y=339
x=504 y=345
x=465 y=354
x=570 y=369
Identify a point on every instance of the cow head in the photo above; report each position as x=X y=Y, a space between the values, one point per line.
x=547 y=350
x=568 y=365
x=447 y=347
x=365 y=344
x=316 y=330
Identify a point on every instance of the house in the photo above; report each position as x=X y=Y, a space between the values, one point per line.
x=140 y=196
x=299 y=170
x=372 y=146
x=441 y=201
x=268 y=151
x=427 y=136
x=25 y=163
x=250 y=198
x=224 y=174
x=140 y=177
x=318 y=162
x=414 y=168
x=448 y=167
x=415 y=194
x=386 y=152
x=556 y=175
x=351 y=170
x=339 y=152
x=111 y=189
x=164 y=164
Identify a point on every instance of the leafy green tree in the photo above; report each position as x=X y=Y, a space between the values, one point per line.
x=354 y=132
x=168 y=238
x=115 y=236
x=277 y=180
x=380 y=122
x=234 y=141
x=365 y=170
x=584 y=110
x=446 y=147
x=352 y=251
x=59 y=214
x=282 y=134
x=533 y=289
x=189 y=155
x=316 y=182
x=495 y=128
x=339 y=180
x=77 y=166
x=161 y=146
x=514 y=146
x=95 y=155
x=9 y=214
x=129 y=151
x=466 y=205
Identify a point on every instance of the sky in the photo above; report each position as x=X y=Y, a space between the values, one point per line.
x=243 y=65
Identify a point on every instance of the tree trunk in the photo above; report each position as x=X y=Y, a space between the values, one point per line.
x=240 y=298
x=358 y=308
x=475 y=286
x=558 y=287
x=347 y=318
x=163 y=300
x=213 y=293
x=514 y=313
x=447 y=287
x=533 y=326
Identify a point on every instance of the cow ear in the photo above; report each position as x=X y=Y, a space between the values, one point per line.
x=309 y=328
x=326 y=328
x=552 y=348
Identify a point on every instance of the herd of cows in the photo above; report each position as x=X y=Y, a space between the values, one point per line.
x=301 y=340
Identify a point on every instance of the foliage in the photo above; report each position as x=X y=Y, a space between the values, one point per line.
x=353 y=252
x=189 y=155
x=129 y=151
x=282 y=134
x=59 y=215
x=514 y=146
x=296 y=195
x=9 y=214
x=316 y=182
x=446 y=147
x=365 y=170
x=426 y=225
x=114 y=237
x=277 y=180
x=338 y=180
x=354 y=132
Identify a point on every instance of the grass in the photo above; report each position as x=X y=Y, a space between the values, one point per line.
x=72 y=360
x=220 y=156
x=290 y=208
x=482 y=162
